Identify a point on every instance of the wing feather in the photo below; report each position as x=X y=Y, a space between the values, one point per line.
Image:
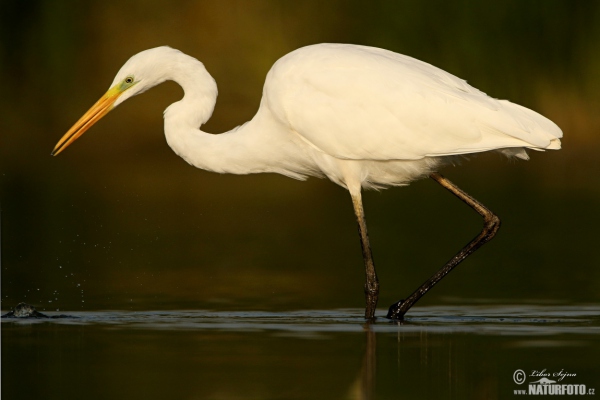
x=357 y=102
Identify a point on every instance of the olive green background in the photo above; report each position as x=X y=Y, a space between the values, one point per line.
x=118 y=221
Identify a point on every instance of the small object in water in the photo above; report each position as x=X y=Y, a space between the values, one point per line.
x=24 y=310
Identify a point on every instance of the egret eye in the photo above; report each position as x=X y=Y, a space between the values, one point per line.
x=129 y=79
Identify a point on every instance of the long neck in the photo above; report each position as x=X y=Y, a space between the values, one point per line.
x=257 y=146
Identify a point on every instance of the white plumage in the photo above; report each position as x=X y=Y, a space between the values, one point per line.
x=362 y=116
x=359 y=115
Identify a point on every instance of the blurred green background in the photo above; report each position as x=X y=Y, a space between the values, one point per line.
x=118 y=221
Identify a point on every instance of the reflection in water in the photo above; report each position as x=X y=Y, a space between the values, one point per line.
x=369 y=367
x=439 y=352
x=364 y=386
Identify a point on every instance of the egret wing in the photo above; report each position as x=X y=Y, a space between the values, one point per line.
x=356 y=102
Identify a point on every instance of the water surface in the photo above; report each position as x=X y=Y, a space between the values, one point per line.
x=438 y=352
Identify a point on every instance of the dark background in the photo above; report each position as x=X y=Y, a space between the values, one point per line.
x=118 y=221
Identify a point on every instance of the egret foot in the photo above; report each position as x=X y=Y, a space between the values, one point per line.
x=371 y=297
x=395 y=311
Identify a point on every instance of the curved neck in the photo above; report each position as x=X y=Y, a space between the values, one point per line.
x=259 y=145
x=200 y=94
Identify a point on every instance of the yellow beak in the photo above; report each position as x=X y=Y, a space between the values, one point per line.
x=98 y=110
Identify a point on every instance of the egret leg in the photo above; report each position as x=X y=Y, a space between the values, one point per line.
x=372 y=284
x=491 y=224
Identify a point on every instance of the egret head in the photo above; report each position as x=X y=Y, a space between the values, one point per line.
x=141 y=72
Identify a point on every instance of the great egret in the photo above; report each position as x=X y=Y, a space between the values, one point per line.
x=363 y=117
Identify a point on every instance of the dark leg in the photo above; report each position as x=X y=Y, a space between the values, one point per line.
x=372 y=285
x=491 y=224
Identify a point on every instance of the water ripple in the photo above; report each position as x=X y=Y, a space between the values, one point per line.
x=480 y=319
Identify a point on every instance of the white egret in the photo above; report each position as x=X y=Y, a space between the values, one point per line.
x=363 y=117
